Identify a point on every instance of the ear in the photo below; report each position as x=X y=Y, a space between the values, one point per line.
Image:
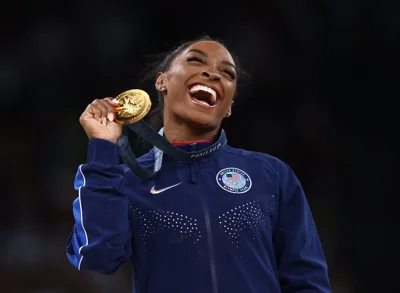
x=160 y=82
x=229 y=111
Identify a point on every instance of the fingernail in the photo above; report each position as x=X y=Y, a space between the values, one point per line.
x=115 y=101
x=104 y=121
x=110 y=116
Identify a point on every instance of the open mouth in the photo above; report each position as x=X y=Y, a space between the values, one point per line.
x=203 y=95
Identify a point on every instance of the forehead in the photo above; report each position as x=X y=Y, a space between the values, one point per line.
x=212 y=49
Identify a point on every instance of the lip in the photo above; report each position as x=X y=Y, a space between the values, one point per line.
x=219 y=95
x=202 y=105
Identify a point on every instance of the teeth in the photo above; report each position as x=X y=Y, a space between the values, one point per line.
x=199 y=87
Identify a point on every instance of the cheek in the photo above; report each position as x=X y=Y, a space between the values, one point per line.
x=230 y=90
x=176 y=75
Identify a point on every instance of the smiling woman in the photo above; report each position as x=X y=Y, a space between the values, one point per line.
x=203 y=63
x=227 y=220
x=207 y=75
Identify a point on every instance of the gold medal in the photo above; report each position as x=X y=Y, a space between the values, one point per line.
x=133 y=106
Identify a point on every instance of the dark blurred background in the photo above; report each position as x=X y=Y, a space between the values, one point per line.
x=322 y=74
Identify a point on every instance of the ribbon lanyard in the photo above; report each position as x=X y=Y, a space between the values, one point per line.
x=187 y=156
x=161 y=145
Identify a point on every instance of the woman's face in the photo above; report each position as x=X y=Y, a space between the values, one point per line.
x=199 y=85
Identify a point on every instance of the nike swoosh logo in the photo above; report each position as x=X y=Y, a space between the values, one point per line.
x=157 y=191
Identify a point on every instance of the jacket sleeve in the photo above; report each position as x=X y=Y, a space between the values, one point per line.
x=300 y=259
x=100 y=240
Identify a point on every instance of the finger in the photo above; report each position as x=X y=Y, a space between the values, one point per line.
x=113 y=103
x=110 y=104
x=95 y=111
x=110 y=116
x=102 y=106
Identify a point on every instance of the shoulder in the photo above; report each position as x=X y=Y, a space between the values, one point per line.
x=259 y=159
x=268 y=165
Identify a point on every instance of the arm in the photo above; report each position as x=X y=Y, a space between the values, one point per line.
x=300 y=259
x=100 y=240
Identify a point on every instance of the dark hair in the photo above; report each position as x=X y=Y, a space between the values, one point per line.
x=162 y=63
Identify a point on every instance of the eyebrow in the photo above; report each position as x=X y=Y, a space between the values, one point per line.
x=206 y=55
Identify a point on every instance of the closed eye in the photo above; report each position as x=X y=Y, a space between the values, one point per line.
x=231 y=73
x=194 y=59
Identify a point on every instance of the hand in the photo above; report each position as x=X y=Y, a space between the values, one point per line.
x=98 y=120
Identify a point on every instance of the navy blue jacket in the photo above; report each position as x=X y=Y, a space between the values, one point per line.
x=233 y=221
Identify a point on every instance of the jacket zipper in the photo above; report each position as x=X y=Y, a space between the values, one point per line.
x=195 y=171
x=210 y=246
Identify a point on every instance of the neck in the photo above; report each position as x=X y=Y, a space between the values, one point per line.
x=182 y=132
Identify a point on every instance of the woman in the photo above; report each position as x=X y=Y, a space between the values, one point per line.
x=229 y=221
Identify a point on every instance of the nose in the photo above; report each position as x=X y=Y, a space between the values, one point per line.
x=211 y=75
